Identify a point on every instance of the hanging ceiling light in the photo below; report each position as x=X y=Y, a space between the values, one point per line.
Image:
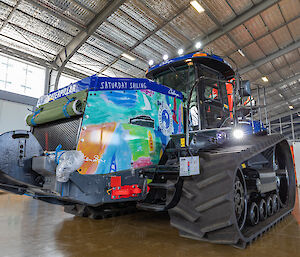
x=180 y=51
x=198 y=45
x=241 y=52
x=127 y=56
x=291 y=107
x=265 y=79
x=165 y=57
x=197 y=6
x=151 y=62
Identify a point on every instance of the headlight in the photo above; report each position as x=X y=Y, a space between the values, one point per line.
x=238 y=133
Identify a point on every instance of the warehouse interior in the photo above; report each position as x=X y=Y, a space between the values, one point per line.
x=48 y=45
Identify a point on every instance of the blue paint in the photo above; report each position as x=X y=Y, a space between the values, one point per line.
x=117 y=153
x=95 y=83
x=257 y=127
x=187 y=56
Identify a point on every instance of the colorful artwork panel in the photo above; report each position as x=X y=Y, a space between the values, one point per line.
x=127 y=129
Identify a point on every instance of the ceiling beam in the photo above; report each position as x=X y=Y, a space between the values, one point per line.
x=272 y=87
x=67 y=52
x=205 y=40
x=269 y=31
x=36 y=60
x=56 y=14
x=288 y=66
x=24 y=56
x=280 y=103
x=270 y=57
x=276 y=86
x=116 y=45
x=284 y=114
x=164 y=23
x=10 y=15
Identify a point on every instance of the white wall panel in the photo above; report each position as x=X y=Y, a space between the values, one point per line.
x=12 y=116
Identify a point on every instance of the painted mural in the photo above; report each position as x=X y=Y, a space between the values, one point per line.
x=127 y=129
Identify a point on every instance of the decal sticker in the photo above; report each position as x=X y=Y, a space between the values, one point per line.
x=189 y=166
x=165 y=120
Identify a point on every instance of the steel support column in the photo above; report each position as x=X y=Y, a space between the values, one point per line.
x=293 y=130
x=280 y=125
x=47 y=81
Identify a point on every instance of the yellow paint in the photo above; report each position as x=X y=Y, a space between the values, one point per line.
x=149 y=181
x=226 y=106
x=182 y=142
x=150 y=140
x=243 y=165
x=96 y=138
x=199 y=54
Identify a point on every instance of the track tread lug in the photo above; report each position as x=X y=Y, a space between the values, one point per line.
x=207 y=194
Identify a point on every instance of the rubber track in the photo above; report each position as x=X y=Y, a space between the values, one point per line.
x=101 y=212
x=206 y=210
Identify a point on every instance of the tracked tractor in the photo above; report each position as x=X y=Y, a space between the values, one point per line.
x=174 y=142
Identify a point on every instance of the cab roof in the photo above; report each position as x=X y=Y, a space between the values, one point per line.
x=212 y=61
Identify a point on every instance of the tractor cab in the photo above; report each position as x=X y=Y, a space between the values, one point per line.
x=202 y=78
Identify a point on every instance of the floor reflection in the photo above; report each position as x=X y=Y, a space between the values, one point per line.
x=33 y=228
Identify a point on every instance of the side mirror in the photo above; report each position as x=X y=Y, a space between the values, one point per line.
x=245 y=88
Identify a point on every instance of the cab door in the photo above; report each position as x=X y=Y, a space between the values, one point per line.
x=213 y=99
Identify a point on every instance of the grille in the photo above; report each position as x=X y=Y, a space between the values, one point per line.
x=64 y=132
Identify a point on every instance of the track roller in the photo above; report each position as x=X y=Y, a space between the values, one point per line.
x=220 y=206
x=262 y=210
x=253 y=214
x=275 y=203
x=270 y=206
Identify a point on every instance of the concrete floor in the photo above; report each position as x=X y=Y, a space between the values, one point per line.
x=32 y=228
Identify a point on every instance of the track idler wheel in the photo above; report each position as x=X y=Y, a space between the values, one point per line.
x=262 y=210
x=253 y=215
x=270 y=206
x=275 y=203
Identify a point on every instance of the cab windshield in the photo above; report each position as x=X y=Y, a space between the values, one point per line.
x=180 y=78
